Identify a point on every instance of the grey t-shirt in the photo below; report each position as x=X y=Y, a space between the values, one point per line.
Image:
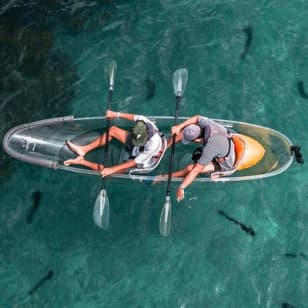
x=217 y=145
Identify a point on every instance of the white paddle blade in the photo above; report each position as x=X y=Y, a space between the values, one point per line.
x=165 y=218
x=179 y=81
x=112 y=73
x=101 y=210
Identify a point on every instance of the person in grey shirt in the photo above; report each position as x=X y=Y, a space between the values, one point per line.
x=217 y=149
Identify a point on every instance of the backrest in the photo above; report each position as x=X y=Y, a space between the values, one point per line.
x=239 y=149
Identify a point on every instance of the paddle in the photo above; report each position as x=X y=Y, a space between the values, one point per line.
x=179 y=84
x=101 y=206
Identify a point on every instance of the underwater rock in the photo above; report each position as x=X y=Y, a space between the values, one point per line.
x=83 y=16
x=36 y=81
x=25 y=48
x=56 y=79
x=21 y=37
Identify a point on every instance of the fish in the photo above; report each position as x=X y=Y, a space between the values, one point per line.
x=151 y=88
x=248 y=31
x=301 y=89
x=248 y=230
x=294 y=255
x=36 y=197
x=47 y=277
x=290 y=255
x=286 y=305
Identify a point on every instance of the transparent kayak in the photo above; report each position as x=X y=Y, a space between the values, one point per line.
x=43 y=143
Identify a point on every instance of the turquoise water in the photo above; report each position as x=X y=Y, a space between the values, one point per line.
x=54 y=59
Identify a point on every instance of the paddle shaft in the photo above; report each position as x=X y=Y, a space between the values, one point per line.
x=178 y=100
x=107 y=135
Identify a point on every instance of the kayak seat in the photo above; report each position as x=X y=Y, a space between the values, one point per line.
x=239 y=150
x=158 y=159
x=248 y=153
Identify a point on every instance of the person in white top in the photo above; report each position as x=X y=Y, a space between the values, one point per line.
x=144 y=143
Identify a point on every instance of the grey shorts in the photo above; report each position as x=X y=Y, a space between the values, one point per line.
x=129 y=149
x=129 y=143
x=228 y=162
x=224 y=164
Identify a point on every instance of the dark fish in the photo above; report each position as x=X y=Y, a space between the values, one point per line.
x=48 y=276
x=301 y=89
x=286 y=305
x=248 y=230
x=248 y=31
x=151 y=88
x=294 y=255
x=290 y=255
x=36 y=197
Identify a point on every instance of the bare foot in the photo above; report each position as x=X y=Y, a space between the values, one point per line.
x=76 y=148
x=75 y=161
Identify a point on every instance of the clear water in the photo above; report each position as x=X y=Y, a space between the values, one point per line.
x=54 y=57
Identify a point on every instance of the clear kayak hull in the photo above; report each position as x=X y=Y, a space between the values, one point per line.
x=43 y=143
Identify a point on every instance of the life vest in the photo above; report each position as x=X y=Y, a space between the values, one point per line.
x=206 y=133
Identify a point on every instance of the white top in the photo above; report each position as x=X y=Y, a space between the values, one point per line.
x=151 y=148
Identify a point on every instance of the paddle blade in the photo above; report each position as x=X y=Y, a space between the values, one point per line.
x=165 y=218
x=101 y=210
x=112 y=73
x=179 y=81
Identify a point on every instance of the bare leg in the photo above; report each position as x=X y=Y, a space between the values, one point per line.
x=177 y=139
x=183 y=172
x=114 y=132
x=176 y=174
x=81 y=161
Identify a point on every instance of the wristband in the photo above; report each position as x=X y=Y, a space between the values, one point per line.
x=118 y=114
x=182 y=187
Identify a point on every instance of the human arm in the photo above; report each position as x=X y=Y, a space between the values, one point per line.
x=177 y=139
x=188 y=179
x=118 y=168
x=176 y=129
x=114 y=115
